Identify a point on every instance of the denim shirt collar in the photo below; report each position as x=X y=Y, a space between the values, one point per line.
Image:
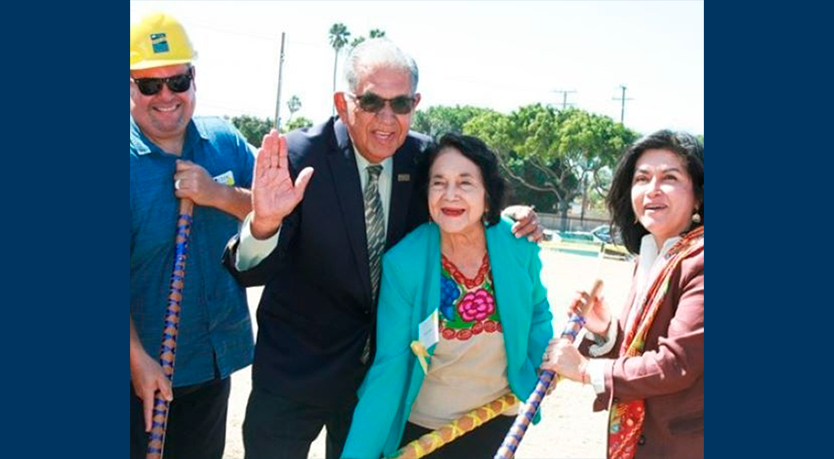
x=143 y=145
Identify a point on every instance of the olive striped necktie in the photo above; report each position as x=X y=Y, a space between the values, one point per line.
x=374 y=226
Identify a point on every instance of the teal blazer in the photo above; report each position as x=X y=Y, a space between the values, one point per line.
x=410 y=291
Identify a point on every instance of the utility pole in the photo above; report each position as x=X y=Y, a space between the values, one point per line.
x=622 y=100
x=564 y=97
x=280 y=75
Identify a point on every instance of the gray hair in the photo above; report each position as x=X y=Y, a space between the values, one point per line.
x=378 y=53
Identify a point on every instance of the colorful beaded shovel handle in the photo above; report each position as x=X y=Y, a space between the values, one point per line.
x=528 y=410
x=167 y=352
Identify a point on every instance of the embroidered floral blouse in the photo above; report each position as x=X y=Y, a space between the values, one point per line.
x=469 y=366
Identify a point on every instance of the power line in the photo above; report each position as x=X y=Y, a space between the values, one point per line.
x=468 y=80
x=258 y=36
x=233 y=32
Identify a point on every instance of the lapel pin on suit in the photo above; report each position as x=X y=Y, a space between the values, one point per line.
x=403 y=177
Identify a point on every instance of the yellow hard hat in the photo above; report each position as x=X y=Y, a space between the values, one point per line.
x=159 y=40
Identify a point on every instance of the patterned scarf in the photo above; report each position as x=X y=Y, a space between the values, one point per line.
x=626 y=419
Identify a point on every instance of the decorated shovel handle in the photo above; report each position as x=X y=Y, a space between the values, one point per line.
x=168 y=350
x=450 y=432
x=528 y=410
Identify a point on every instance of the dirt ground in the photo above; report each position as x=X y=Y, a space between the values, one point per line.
x=569 y=429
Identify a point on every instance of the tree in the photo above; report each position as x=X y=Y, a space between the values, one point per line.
x=506 y=135
x=592 y=144
x=440 y=119
x=375 y=33
x=554 y=152
x=298 y=123
x=254 y=129
x=338 y=37
x=294 y=105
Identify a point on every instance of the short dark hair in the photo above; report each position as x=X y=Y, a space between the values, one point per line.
x=687 y=146
x=475 y=150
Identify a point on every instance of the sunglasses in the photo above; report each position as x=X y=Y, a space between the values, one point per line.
x=176 y=83
x=372 y=103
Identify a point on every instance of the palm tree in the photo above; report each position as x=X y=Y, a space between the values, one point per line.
x=338 y=36
x=294 y=104
x=375 y=33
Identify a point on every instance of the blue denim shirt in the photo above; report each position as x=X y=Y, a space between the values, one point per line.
x=215 y=326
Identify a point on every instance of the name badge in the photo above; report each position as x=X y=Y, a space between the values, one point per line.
x=226 y=178
x=429 y=331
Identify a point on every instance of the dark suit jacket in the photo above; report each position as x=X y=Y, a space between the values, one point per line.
x=316 y=310
x=670 y=373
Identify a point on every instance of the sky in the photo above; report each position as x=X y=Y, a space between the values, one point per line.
x=493 y=54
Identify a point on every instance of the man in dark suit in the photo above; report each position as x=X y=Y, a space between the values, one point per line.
x=319 y=258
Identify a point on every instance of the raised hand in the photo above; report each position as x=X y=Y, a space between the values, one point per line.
x=274 y=195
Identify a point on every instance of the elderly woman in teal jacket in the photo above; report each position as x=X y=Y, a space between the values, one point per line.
x=463 y=316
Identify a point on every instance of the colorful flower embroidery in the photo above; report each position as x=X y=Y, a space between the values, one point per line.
x=476 y=306
x=467 y=306
x=449 y=292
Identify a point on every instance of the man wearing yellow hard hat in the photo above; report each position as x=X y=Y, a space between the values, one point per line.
x=175 y=156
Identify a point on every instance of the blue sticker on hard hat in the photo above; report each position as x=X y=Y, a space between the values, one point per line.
x=159 y=42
